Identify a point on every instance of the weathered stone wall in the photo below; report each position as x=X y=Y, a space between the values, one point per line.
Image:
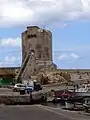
x=39 y=40
x=23 y=99
x=60 y=76
x=78 y=76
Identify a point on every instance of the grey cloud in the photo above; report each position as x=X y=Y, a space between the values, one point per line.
x=20 y=13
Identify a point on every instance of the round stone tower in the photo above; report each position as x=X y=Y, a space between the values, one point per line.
x=40 y=42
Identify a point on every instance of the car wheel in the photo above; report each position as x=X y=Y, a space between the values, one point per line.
x=15 y=90
x=37 y=89
x=40 y=88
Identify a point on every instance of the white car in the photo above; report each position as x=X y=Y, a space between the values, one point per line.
x=18 y=86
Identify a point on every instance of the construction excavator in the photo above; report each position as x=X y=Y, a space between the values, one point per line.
x=30 y=58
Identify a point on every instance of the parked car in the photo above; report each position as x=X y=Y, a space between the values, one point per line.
x=18 y=86
x=29 y=89
x=33 y=83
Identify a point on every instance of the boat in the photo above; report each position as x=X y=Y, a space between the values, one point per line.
x=83 y=90
x=61 y=95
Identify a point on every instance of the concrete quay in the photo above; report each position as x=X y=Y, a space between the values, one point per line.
x=8 y=97
x=22 y=99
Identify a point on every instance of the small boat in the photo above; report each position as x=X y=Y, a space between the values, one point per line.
x=62 y=95
x=83 y=88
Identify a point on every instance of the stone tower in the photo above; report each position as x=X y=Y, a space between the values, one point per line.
x=40 y=42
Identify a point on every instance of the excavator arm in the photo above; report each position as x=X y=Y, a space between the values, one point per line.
x=24 y=64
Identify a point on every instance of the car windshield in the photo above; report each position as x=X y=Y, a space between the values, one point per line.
x=29 y=86
x=20 y=85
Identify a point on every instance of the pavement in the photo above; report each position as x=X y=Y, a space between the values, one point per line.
x=69 y=115
x=38 y=112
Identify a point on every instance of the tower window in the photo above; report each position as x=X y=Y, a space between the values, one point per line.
x=31 y=36
x=32 y=51
x=34 y=35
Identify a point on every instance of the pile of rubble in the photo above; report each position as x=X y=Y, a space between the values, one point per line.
x=53 y=77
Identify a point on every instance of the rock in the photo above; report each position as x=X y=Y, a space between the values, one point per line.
x=22 y=99
x=53 y=77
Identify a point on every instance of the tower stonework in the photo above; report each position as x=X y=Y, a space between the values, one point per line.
x=40 y=41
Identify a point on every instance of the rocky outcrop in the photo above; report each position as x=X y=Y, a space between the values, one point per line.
x=53 y=77
x=22 y=99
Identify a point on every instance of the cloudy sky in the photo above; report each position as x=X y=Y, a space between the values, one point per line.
x=69 y=21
